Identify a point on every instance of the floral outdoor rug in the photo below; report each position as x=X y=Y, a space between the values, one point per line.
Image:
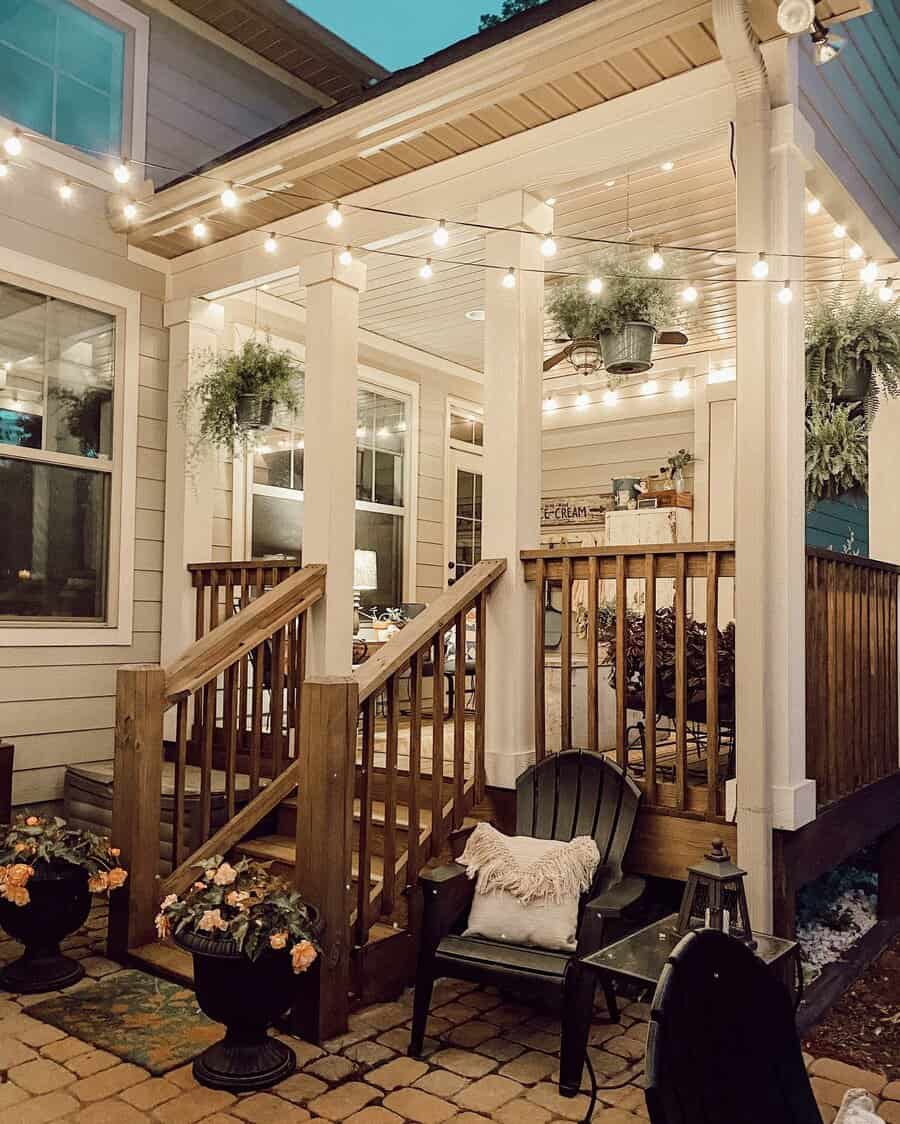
x=137 y=1017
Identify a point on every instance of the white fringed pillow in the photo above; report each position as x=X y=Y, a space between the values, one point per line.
x=527 y=890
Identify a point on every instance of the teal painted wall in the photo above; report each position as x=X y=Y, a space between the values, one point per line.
x=830 y=522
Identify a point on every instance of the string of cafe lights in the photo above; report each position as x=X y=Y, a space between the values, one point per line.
x=230 y=200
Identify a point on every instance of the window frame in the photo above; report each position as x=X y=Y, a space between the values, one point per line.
x=458 y=454
x=89 y=168
x=124 y=305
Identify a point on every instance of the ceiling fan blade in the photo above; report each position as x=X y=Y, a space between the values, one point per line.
x=671 y=338
x=550 y=363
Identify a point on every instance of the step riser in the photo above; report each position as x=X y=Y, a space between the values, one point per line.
x=286 y=824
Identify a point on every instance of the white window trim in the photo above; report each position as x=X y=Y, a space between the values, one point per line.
x=457 y=451
x=95 y=170
x=125 y=305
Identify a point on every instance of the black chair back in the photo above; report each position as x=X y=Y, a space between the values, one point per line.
x=722 y=1044
x=579 y=793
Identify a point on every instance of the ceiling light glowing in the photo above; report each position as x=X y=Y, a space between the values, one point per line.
x=595 y=285
x=334 y=218
x=549 y=405
x=229 y=198
x=761 y=268
x=610 y=183
x=13 y=143
x=656 y=260
x=796 y=16
x=199 y=230
x=826 y=45
x=681 y=389
x=426 y=272
x=121 y=173
x=869 y=272
x=271 y=244
x=649 y=387
x=66 y=191
x=786 y=293
x=840 y=231
x=689 y=295
x=610 y=396
x=667 y=165
x=129 y=211
x=441 y=236
x=345 y=257
x=813 y=206
x=551 y=201
x=855 y=252
x=548 y=246
x=509 y=279
x=583 y=400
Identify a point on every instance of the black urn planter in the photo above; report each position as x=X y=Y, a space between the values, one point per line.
x=247 y=996
x=852 y=380
x=60 y=902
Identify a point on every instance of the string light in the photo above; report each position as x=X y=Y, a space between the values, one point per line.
x=334 y=218
x=426 y=272
x=13 y=143
x=271 y=244
x=121 y=172
x=229 y=198
x=441 y=236
x=761 y=267
x=681 y=389
x=549 y=405
x=129 y=210
x=66 y=191
x=689 y=295
x=786 y=293
x=886 y=292
x=345 y=257
x=840 y=231
x=813 y=206
x=667 y=165
x=869 y=272
x=595 y=285
x=200 y=230
x=649 y=387
x=548 y=246
x=583 y=400
x=855 y=252
x=509 y=279
x=610 y=397
x=656 y=260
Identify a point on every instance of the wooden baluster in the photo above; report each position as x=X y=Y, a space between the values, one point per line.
x=565 y=689
x=213 y=599
x=650 y=676
x=437 y=745
x=830 y=788
x=290 y=682
x=390 y=797
x=540 y=690
x=860 y=759
x=621 y=665
x=365 y=822
x=300 y=674
x=256 y=718
x=276 y=706
x=680 y=682
x=181 y=717
x=244 y=675
x=592 y=724
x=480 y=656
x=206 y=762
x=415 y=768
x=229 y=594
x=712 y=683
x=865 y=715
x=459 y=721
x=229 y=722
x=199 y=577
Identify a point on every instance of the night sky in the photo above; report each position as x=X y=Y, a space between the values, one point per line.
x=399 y=33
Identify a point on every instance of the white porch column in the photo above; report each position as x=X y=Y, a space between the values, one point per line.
x=329 y=454
x=194 y=325
x=513 y=377
x=884 y=471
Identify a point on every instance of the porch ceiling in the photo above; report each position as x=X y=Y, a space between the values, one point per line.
x=595 y=55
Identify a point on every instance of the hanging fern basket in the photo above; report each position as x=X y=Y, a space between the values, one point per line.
x=630 y=350
x=852 y=380
x=253 y=411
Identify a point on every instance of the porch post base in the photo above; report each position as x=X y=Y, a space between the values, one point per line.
x=505 y=766
x=793 y=805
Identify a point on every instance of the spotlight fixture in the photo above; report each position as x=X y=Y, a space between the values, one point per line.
x=13 y=143
x=761 y=267
x=441 y=236
x=649 y=387
x=610 y=397
x=334 y=218
x=796 y=16
x=656 y=260
x=229 y=198
x=689 y=295
x=509 y=279
x=786 y=293
x=549 y=405
x=583 y=400
x=681 y=389
x=548 y=246
x=886 y=292
x=595 y=285
x=426 y=272
x=345 y=257
x=200 y=230
x=855 y=252
x=129 y=211
x=66 y=191
x=869 y=272
x=826 y=45
x=813 y=206
x=840 y=231
x=121 y=172
x=271 y=244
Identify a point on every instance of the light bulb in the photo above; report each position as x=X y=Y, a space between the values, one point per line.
x=66 y=191
x=583 y=400
x=442 y=235
x=200 y=230
x=649 y=387
x=813 y=206
x=271 y=244
x=689 y=295
x=869 y=272
x=334 y=218
x=13 y=143
x=551 y=202
x=681 y=389
x=549 y=405
x=509 y=279
x=4 y=169
x=886 y=292
x=840 y=231
x=610 y=183
x=229 y=198
x=345 y=257
x=595 y=285
x=796 y=16
x=655 y=261
x=121 y=172
x=548 y=246
x=855 y=252
x=426 y=272
x=129 y=211
x=667 y=165
x=761 y=268
x=610 y=397
x=786 y=293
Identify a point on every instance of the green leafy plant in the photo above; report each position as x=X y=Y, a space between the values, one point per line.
x=32 y=840
x=837 y=451
x=246 y=904
x=82 y=413
x=628 y=295
x=510 y=8
x=679 y=461
x=258 y=368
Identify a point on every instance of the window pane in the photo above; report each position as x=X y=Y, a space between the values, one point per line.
x=80 y=349
x=383 y=534
x=90 y=50
x=86 y=119
x=388 y=479
x=277 y=527
x=53 y=548
x=30 y=27
x=466 y=429
x=26 y=91
x=365 y=461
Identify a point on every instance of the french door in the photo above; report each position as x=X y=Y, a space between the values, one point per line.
x=464 y=513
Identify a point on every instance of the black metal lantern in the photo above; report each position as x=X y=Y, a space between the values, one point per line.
x=714 y=897
x=585 y=356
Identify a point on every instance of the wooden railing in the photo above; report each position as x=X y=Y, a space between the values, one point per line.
x=658 y=684
x=243 y=682
x=222 y=588
x=851 y=672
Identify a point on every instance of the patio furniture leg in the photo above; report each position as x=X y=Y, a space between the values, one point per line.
x=421 y=1007
x=578 y=1008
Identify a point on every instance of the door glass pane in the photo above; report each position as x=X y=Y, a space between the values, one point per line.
x=383 y=533
x=53 y=548
x=277 y=527
x=468 y=521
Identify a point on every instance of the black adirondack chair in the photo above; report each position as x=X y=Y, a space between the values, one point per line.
x=566 y=795
x=722 y=1043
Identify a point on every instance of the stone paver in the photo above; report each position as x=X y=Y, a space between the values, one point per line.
x=441 y=1083
x=148 y=1094
x=301 y=1088
x=108 y=1082
x=110 y=1112
x=14 y=1053
x=399 y=1073
x=488 y=1094
x=889 y=1111
x=374 y=1115
x=332 y=1068
x=463 y=1062
x=849 y=1075
x=194 y=1105
x=41 y=1076
x=266 y=1108
x=343 y=1101
x=529 y=1068
x=413 y=1104
x=92 y=1062
x=65 y=1049
x=39 y=1110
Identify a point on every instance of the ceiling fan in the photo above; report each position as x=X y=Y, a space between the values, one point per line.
x=585 y=355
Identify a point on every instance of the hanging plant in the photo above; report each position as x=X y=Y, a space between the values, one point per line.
x=237 y=393
x=837 y=451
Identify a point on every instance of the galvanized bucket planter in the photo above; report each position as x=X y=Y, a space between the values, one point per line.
x=630 y=351
x=254 y=412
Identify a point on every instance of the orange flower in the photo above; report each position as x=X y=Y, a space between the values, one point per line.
x=18 y=874
x=225 y=875
x=199 y=885
x=211 y=920
x=32 y=821
x=115 y=852
x=20 y=847
x=302 y=955
x=99 y=882
x=163 y=926
x=116 y=877
x=278 y=940
x=18 y=895
x=237 y=899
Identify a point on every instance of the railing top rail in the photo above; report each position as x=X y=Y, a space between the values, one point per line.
x=628 y=551
x=246 y=564
x=851 y=560
x=400 y=649
x=225 y=645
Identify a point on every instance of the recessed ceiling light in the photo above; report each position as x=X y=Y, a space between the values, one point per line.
x=475 y=314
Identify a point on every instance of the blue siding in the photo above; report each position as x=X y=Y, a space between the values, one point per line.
x=830 y=523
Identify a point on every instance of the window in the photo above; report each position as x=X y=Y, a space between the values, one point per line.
x=63 y=72
x=57 y=366
x=467 y=429
x=276 y=520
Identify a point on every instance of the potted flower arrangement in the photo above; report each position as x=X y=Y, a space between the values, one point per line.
x=624 y=317
x=853 y=350
x=250 y=934
x=237 y=392
x=48 y=872
x=675 y=466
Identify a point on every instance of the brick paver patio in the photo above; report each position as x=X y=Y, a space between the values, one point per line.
x=488 y=1061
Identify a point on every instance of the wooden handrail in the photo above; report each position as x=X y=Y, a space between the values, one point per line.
x=243 y=632
x=246 y=564
x=398 y=652
x=627 y=551
x=852 y=560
